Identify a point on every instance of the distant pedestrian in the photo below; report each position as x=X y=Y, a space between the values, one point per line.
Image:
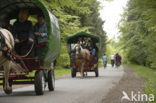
x=117 y=60
x=104 y=60
x=112 y=60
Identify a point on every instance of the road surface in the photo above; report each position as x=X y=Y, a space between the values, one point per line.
x=90 y=89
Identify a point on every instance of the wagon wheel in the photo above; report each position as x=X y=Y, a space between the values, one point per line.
x=51 y=80
x=10 y=84
x=73 y=72
x=39 y=82
x=96 y=72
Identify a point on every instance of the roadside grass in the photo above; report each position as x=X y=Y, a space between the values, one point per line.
x=60 y=71
x=149 y=78
x=100 y=63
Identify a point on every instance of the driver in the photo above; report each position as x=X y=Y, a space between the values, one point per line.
x=22 y=31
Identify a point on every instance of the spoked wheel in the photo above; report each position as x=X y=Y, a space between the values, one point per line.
x=96 y=72
x=51 y=80
x=10 y=85
x=39 y=82
x=73 y=72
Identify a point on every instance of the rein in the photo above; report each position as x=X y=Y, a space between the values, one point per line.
x=28 y=51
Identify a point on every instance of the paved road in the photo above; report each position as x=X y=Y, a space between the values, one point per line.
x=70 y=90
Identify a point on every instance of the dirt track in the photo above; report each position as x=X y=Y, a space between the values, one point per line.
x=129 y=82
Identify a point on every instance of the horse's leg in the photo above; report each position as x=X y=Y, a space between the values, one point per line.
x=85 y=72
x=82 y=70
x=7 y=67
x=81 y=73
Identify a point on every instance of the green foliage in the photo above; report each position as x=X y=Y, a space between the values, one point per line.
x=111 y=47
x=64 y=57
x=75 y=16
x=33 y=20
x=59 y=71
x=138 y=28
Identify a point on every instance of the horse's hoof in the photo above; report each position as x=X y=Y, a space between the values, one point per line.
x=8 y=91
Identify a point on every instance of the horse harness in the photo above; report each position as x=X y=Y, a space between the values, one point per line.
x=7 y=52
x=81 y=57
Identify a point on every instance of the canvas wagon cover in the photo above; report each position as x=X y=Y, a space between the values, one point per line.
x=74 y=37
x=9 y=9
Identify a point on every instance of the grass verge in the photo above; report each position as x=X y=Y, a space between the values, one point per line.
x=59 y=71
x=149 y=78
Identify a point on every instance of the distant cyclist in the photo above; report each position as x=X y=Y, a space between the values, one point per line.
x=104 y=60
x=117 y=60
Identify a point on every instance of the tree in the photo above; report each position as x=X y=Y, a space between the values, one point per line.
x=138 y=27
x=75 y=16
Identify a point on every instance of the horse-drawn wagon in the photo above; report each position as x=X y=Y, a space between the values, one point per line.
x=50 y=49
x=77 y=47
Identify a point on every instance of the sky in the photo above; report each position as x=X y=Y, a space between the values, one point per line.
x=111 y=14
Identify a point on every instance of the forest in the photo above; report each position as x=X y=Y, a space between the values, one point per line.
x=138 y=33
x=75 y=16
x=137 y=42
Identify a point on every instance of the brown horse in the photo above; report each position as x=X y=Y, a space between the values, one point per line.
x=82 y=58
x=6 y=41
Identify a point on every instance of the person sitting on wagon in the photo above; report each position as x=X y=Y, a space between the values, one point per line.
x=40 y=30
x=91 y=48
x=23 y=32
x=89 y=45
x=40 y=33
